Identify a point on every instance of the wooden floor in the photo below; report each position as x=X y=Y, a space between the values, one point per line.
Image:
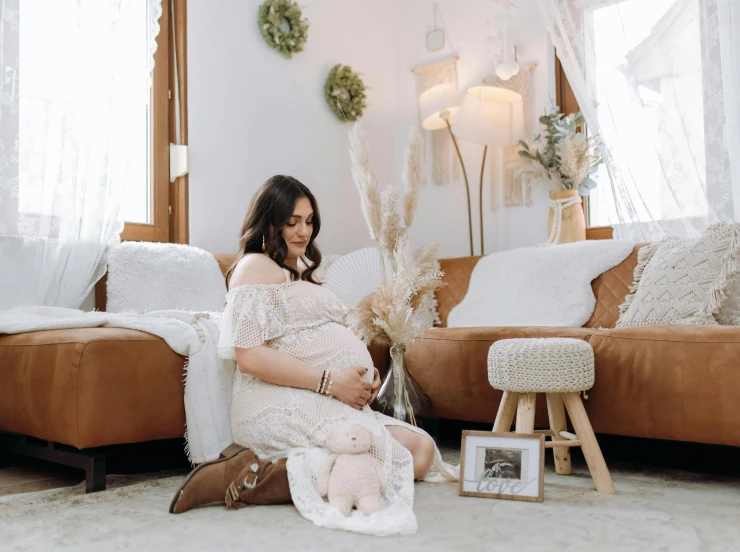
x=20 y=474
x=25 y=475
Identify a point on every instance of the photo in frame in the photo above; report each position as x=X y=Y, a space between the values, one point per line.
x=502 y=465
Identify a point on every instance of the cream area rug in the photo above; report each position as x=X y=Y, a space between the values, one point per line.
x=652 y=510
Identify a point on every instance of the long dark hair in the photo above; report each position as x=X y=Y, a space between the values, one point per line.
x=269 y=211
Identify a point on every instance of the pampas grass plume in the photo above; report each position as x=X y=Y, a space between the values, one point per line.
x=390 y=221
x=364 y=179
x=391 y=315
x=413 y=174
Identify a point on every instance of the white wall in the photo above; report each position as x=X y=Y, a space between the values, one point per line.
x=254 y=113
x=442 y=215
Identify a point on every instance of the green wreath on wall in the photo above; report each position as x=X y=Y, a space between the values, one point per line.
x=272 y=13
x=345 y=93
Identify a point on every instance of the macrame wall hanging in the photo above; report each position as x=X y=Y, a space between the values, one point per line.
x=515 y=192
x=445 y=166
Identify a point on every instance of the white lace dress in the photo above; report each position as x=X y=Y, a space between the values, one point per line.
x=306 y=321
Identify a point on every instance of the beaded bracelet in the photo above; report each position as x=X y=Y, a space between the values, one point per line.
x=320 y=386
x=327 y=389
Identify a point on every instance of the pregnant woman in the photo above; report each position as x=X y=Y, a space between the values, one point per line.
x=301 y=372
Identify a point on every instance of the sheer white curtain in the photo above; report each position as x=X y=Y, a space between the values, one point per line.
x=657 y=81
x=74 y=83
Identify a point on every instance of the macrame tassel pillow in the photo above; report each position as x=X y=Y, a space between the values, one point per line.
x=684 y=281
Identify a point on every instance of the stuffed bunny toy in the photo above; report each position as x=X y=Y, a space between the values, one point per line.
x=351 y=476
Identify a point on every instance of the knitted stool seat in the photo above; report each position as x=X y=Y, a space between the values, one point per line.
x=541 y=365
x=561 y=368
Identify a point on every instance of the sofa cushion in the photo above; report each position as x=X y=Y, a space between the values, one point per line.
x=457 y=279
x=667 y=382
x=610 y=289
x=91 y=387
x=450 y=365
x=224 y=260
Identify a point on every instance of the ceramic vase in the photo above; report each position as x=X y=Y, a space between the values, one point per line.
x=573 y=222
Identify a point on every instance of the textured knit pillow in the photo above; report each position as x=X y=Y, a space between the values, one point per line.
x=145 y=277
x=729 y=312
x=683 y=281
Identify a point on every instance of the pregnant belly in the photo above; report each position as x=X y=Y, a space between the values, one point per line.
x=330 y=346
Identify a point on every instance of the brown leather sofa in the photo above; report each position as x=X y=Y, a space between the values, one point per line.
x=66 y=393
x=663 y=382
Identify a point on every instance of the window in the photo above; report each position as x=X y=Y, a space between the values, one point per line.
x=146 y=205
x=48 y=91
x=564 y=96
x=647 y=70
x=566 y=100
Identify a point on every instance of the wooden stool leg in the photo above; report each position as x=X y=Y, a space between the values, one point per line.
x=589 y=445
x=556 y=413
x=506 y=411
x=525 y=413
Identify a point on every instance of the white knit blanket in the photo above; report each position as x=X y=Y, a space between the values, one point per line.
x=208 y=378
x=537 y=286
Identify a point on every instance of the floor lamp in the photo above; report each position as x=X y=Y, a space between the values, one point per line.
x=439 y=106
x=489 y=116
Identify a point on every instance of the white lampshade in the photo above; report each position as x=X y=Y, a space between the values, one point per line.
x=490 y=116
x=434 y=102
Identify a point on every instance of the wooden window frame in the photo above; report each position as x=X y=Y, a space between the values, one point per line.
x=566 y=100
x=169 y=200
x=178 y=80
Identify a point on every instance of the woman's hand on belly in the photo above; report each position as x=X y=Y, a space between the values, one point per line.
x=376 y=385
x=349 y=387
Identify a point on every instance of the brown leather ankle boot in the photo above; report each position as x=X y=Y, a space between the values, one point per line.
x=208 y=483
x=260 y=483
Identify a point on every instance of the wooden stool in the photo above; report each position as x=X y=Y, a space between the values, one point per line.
x=561 y=368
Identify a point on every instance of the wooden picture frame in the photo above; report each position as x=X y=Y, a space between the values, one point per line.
x=524 y=472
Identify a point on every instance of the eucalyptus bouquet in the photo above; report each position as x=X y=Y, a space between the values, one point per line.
x=562 y=157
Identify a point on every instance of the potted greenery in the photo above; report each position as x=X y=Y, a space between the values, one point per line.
x=563 y=158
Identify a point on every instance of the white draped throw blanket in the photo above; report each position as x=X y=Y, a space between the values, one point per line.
x=537 y=286
x=190 y=334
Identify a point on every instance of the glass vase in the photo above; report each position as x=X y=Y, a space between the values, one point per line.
x=402 y=398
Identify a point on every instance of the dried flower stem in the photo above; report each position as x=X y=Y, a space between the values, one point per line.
x=392 y=316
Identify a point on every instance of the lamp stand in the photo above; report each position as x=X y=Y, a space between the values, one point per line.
x=467 y=186
x=480 y=198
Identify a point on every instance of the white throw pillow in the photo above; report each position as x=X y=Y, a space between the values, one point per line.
x=145 y=277
x=683 y=281
x=537 y=286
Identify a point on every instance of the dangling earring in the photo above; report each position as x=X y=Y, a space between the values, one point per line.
x=263 y=242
